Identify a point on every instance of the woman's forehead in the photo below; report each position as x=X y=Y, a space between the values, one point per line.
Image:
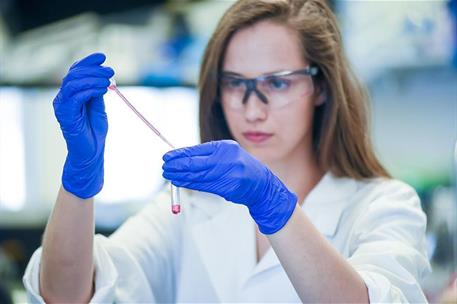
x=263 y=48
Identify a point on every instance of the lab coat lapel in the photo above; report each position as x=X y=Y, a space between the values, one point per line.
x=324 y=206
x=226 y=244
x=268 y=261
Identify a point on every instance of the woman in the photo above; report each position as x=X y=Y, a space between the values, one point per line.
x=283 y=122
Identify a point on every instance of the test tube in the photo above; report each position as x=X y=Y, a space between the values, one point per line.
x=175 y=199
x=175 y=195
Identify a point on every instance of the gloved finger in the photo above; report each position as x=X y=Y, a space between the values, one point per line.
x=96 y=104
x=198 y=150
x=87 y=95
x=77 y=85
x=92 y=59
x=192 y=164
x=84 y=72
x=201 y=176
x=192 y=185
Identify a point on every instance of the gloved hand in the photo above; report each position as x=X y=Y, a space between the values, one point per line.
x=80 y=111
x=226 y=169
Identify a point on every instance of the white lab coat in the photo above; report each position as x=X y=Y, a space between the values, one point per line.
x=208 y=254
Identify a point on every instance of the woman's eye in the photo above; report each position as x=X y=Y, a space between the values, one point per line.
x=276 y=83
x=233 y=83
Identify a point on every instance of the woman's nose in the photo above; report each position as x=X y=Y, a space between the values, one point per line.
x=255 y=109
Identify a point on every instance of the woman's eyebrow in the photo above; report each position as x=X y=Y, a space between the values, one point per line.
x=230 y=73
x=266 y=74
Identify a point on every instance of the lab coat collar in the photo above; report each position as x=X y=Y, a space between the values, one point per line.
x=224 y=249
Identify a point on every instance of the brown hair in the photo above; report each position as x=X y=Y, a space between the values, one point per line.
x=340 y=131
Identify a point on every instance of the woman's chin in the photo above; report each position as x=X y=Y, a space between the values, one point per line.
x=266 y=155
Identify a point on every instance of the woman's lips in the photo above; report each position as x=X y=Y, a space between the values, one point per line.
x=257 y=137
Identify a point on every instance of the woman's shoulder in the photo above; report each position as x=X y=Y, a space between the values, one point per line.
x=381 y=188
x=356 y=199
x=333 y=188
x=384 y=199
x=379 y=208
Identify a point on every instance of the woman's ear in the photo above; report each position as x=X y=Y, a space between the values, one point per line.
x=321 y=94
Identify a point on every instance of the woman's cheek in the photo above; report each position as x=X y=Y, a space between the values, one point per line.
x=296 y=126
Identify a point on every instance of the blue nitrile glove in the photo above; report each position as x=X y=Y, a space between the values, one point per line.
x=226 y=169
x=80 y=110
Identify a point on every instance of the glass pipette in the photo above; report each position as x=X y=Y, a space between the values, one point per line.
x=175 y=196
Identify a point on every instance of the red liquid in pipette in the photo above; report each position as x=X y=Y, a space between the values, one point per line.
x=175 y=207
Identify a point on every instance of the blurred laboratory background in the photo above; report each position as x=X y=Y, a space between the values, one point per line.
x=404 y=51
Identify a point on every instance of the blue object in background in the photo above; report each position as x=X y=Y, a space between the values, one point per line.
x=453 y=11
x=170 y=70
